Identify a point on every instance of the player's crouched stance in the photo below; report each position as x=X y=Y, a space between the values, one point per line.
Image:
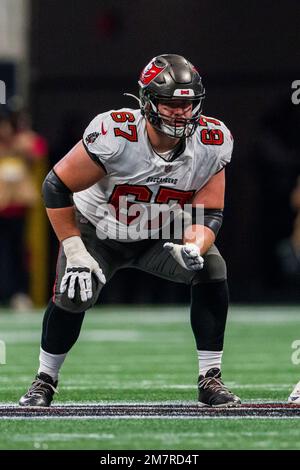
x=164 y=152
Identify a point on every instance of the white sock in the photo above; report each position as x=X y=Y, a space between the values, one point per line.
x=51 y=363
x=208 y=360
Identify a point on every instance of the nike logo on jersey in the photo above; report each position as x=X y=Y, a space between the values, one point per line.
x=103 y=131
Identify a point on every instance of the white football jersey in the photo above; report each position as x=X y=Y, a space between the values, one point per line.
x=118 y=141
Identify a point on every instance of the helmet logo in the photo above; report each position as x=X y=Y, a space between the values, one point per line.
x=184 y=92
x=149 y=73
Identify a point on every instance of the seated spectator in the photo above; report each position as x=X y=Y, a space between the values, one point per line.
x=288 y=250
x=17 y=195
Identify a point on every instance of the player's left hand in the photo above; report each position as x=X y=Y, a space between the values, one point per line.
x=188 y=255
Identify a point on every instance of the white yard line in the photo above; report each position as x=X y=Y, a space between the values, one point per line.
x=162 y=315
x=142 y=387
x=65 y=437
x=60 y=437
x=12 y=336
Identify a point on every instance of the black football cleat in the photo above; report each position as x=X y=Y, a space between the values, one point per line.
x=41 y=391
x=212 y=391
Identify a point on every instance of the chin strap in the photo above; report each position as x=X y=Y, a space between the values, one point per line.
x=174 y=132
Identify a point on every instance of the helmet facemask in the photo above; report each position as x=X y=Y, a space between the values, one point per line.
x=176 y=127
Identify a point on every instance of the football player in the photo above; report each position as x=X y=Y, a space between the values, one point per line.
x=164 y=152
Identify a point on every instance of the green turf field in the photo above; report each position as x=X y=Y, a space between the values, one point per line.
x=142 y=354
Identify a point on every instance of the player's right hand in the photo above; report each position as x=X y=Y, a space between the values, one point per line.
x=79 y=269
x=188 y=255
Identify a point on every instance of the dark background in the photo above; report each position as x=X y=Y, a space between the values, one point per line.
x=86 y=54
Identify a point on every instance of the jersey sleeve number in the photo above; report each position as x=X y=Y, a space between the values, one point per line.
x=125 y=117
x=211 y=136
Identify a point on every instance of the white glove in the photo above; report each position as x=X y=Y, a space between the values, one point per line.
x=188 y=255
x=80 y=266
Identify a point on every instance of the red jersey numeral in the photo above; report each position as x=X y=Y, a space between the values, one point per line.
x=123 y=117
x=204 y=120
x=165 y=195
x=212 y=137
x=143 y=194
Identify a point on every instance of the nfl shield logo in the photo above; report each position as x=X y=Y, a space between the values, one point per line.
x=168 y=168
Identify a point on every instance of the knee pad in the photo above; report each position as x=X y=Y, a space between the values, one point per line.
x=214 y=270
x=76 y=305
x=69 y=305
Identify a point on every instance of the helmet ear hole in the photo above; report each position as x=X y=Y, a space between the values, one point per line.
x=171 y=77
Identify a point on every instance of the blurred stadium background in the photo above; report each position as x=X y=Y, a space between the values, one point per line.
x=63 y=63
